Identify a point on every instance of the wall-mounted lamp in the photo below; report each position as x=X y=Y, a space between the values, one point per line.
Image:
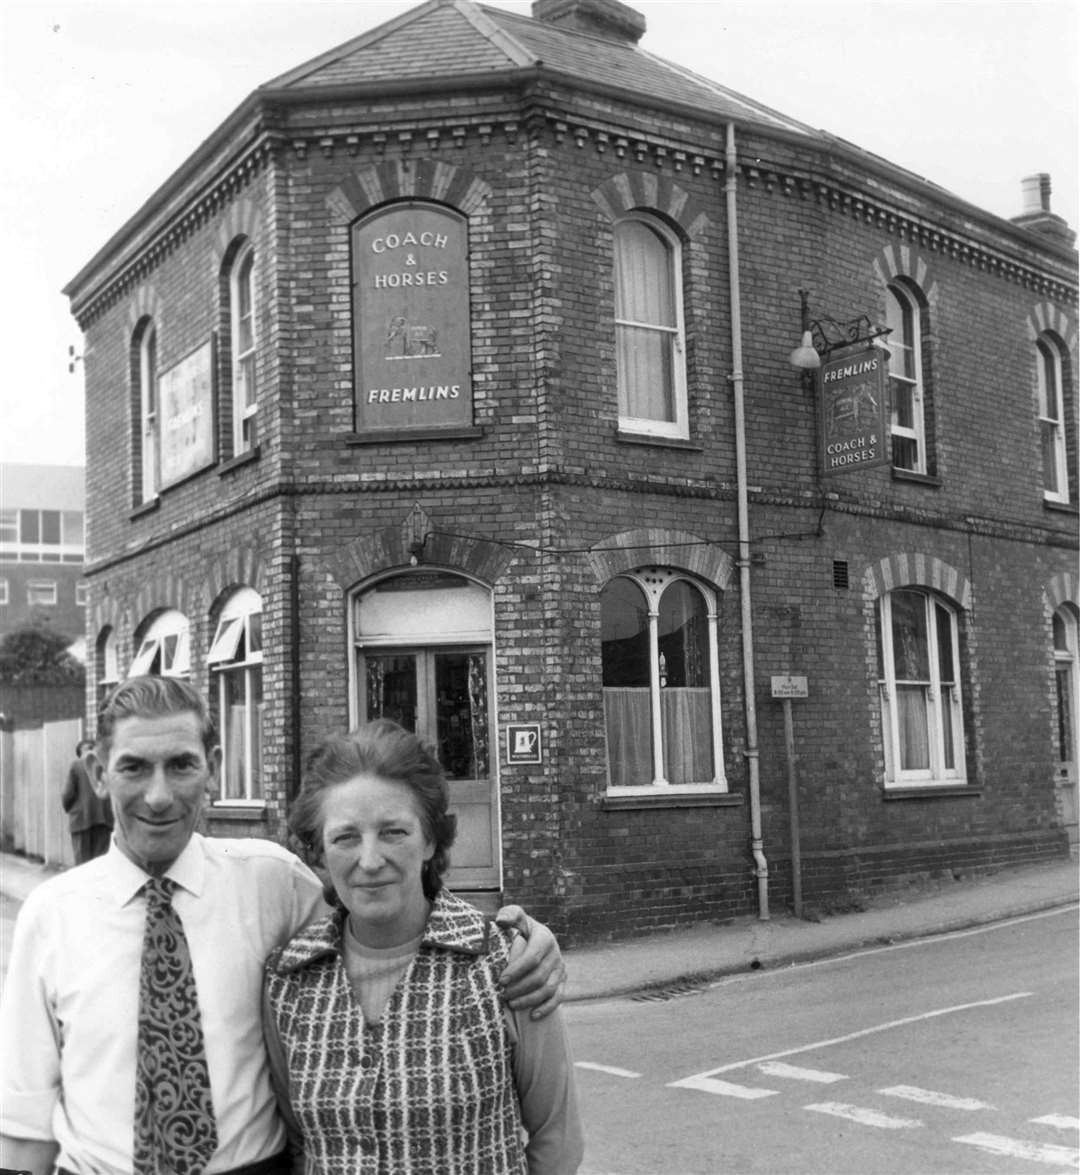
x=821 y=336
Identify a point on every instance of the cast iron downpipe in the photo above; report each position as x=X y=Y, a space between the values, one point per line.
x=761 y=866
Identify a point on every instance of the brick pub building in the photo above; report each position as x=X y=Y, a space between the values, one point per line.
x=449 y=379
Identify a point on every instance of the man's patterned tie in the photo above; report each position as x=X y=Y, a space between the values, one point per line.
x=175 y=1131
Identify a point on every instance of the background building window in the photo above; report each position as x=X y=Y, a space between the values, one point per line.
x=903 y=316
x=1052 y=421
x=660 y=681
x=82 y=594
x=165 y=648
x=146 y=381
x=4 y=597
x=41 y=592
x=41 y=536
x=919 y=684
x=242 y=334
x=650 y=351
x=235 y=661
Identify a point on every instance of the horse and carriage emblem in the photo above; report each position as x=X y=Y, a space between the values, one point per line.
x=412 y=340
x=855 y=406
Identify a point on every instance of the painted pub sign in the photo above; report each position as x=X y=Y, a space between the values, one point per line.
x=854 y=416
x=410 y=272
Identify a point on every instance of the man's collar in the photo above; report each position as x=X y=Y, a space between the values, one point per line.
x=126 y=878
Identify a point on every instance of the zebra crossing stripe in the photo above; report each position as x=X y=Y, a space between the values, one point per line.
x=1014 y=1148
x=615 y=1072
x=930 y=1097
x=722 y=1088
x=863 y=1116
x=795 y=1073
x=1058 y=1121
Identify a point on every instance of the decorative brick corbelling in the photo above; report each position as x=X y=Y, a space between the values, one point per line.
x=241 y=219
x=380 y=183
x=636 y=189
x=915 y=568
x=637 y=548
x=1048 y=317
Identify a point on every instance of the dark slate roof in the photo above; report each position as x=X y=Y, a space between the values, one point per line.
x=457 y=38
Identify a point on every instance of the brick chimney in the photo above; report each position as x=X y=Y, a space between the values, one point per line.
x=1036 y=214
x=601 y=18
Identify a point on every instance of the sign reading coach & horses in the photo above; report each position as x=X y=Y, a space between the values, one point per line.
x=854 y=420
x=411 y=293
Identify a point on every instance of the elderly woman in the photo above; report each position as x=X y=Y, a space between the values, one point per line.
x=391 y=1049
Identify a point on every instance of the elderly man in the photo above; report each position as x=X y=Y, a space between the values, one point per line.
x=130 y=1024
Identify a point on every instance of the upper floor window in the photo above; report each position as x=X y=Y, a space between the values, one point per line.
x=661 y=681
x=41 y=592
x=242 y=335
x=165 y=649
x=919 y=685
x=650 y=351
x=149 y=418
x=41 y=536
x=1052 y=420
x=235 y=660
x=903 y=315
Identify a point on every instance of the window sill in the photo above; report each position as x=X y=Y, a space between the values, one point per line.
x=1060 y=507
x=623 y=437
x=238 y=810
x=393 y=436
x=669 y=797
x=145 y=508
x=245 y=458
x=922 y=479
x=933 y=791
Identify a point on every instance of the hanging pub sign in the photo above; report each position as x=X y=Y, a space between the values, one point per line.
x=411 y=294
x=854 y=412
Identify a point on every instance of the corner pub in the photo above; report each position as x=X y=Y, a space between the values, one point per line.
x=451 y=379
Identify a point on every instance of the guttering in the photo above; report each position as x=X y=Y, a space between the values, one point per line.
x=761 y=865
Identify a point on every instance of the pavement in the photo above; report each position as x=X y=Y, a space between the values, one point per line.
x=679 y=959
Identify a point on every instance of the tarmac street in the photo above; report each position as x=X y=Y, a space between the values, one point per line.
x=955 y=1055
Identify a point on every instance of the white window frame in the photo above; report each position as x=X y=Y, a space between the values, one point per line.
x=1066 y=629
x=903 y=315
x=1048 y=367
x=41 y=593
x=231 y=656
x=108 y=660
x=937 y=773
x=653 y=582
x=166 y=645
x=5 y=597
x=149 y=414
x=67 y=548
x=82 y=594
x=242 y=309
x=679 y=427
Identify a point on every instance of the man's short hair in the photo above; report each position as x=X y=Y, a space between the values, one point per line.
x=153 y=697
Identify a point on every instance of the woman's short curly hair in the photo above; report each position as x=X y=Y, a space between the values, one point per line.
x=389 y=751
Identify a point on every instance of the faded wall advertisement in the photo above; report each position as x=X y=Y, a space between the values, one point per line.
x=854 y=419
x=186 y=393
x=411 y=293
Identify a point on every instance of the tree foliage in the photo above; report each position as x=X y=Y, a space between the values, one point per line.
x=36 y=655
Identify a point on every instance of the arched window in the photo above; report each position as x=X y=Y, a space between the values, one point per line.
x=106 y=662
x=242 y=359
x=650 y=351
x=165 y=648
x=1066 y=706
x=235 y=662
x=919 y=685
x=903 y=315
x=661 y=681
x=146 y=441
x=1051 y=420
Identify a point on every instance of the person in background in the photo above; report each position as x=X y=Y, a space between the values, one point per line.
x=89 y=815
x=388 y=1044
x=131 y=1037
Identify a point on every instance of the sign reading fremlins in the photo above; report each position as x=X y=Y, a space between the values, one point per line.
x=411 y=289
x=854 y=422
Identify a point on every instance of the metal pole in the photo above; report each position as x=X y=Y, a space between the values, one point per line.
x=793 y=809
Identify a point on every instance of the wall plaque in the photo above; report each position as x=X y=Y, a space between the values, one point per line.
x=412 y=339
x=186 y=397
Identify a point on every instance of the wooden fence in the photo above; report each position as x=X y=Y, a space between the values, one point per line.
x=33 y=766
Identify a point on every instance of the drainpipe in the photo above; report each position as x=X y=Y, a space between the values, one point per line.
x=761 y=866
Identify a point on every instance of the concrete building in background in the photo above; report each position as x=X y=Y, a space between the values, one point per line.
x=42 y=549
x=451 y=379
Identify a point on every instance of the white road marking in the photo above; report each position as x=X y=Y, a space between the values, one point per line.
x=615 y=1072
x=1059 y=1121
x=781 y=1069
x=889 y=1024
x=1014 y=1148
x=930 y=1097
x=722 y=1088
x=863 y=1116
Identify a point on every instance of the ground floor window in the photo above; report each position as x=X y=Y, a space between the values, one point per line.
x=660 y=681
x=1065 y=699
x=235 y=661
x=919 y=686
x=165 y=647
